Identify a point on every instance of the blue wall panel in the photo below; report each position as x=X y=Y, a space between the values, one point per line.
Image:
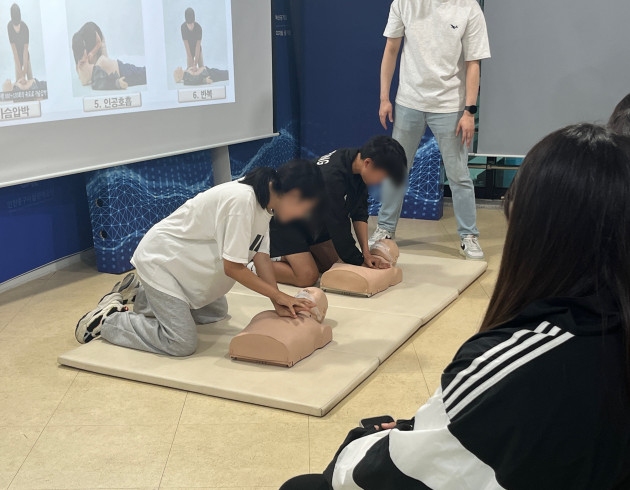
x=341 y=46
x=42 y=222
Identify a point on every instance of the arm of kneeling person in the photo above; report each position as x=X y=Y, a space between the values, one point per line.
x=290 y=305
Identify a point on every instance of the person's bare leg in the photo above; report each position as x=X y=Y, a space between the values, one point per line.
x=325 y=255
x=299 y=270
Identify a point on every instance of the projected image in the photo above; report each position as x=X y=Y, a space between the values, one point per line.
x=22 y=65
x=107 y=46
x=105 y=57
x=198 y=47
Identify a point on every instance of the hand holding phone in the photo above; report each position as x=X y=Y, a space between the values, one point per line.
x=376 y=421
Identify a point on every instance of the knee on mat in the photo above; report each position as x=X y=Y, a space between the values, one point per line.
x=182 y=349
x=307 y=279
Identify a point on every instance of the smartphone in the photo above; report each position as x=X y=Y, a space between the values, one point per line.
x=371 y=422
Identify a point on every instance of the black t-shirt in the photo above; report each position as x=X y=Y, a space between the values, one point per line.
x=192 y=36
x=346 y=200
x=20 y=39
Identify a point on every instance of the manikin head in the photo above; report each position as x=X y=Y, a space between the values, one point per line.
x=291 y=192
x=318 y=297
x=7 y=86
x=387 y=249
x=382 y=157
x=179 y=74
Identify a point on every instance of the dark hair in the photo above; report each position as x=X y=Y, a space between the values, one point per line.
x=189 y=15
x=78 y=47
x=387 y=154
x=16 y=14
x=296 y=174
x=85 y=40
x=620 y=120
x=568 y=225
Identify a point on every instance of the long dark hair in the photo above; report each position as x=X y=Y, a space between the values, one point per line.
x=568 y=235
x=85 y=40
x=296 y=174
x=620 y=120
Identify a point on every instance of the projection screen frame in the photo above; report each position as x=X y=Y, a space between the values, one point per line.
x=256 y=105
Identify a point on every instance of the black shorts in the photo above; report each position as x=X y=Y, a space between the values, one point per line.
x=295 y=237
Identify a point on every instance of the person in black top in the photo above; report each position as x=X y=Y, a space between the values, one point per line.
x=19 y=39
x=191 y=35
x=347 y=174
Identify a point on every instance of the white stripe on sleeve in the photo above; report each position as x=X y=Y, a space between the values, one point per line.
x=453 y=411
x=433 y=455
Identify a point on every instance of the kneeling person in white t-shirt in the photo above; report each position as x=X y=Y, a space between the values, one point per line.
x=188 y=262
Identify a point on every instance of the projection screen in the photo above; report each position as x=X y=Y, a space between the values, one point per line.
x=553 y=63
x=89 y=84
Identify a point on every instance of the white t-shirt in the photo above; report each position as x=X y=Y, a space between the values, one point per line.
x=183 y=254
x=440 y=36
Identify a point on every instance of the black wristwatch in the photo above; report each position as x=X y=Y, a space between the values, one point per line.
x=471 y=108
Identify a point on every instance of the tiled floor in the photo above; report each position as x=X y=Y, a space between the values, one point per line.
x=60 y=428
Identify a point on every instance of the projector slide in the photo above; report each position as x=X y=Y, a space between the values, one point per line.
x=68 y=59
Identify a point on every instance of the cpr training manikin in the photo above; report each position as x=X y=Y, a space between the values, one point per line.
x=356 y=280
x=281 y=341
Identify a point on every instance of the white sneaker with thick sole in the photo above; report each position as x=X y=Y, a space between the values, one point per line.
x=380 y=234
x=471 y=249
x=127 y=288
x=89 y=327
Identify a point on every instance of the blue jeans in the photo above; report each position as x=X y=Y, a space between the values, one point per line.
x=409 y=127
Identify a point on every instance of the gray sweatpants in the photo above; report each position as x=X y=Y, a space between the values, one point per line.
x=161 y=323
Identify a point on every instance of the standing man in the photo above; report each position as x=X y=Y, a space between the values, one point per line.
x=19 y=38
x=439 y=85
x=191 y=35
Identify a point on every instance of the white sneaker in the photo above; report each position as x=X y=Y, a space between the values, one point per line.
x=89 y=326
x=127 y=288
x=471 y=249
x=379 y=234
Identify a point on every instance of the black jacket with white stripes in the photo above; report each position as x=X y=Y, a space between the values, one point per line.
x=541 y=403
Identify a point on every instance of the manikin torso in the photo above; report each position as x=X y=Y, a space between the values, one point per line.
x=363 y=281
x=272 y=339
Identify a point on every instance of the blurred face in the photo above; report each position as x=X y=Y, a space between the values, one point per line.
x=84 y=70
x=292 y=206
x=371 y=174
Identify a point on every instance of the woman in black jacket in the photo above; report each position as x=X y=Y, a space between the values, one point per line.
x=540 y=397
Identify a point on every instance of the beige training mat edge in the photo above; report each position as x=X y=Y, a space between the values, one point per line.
x=366 y=331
